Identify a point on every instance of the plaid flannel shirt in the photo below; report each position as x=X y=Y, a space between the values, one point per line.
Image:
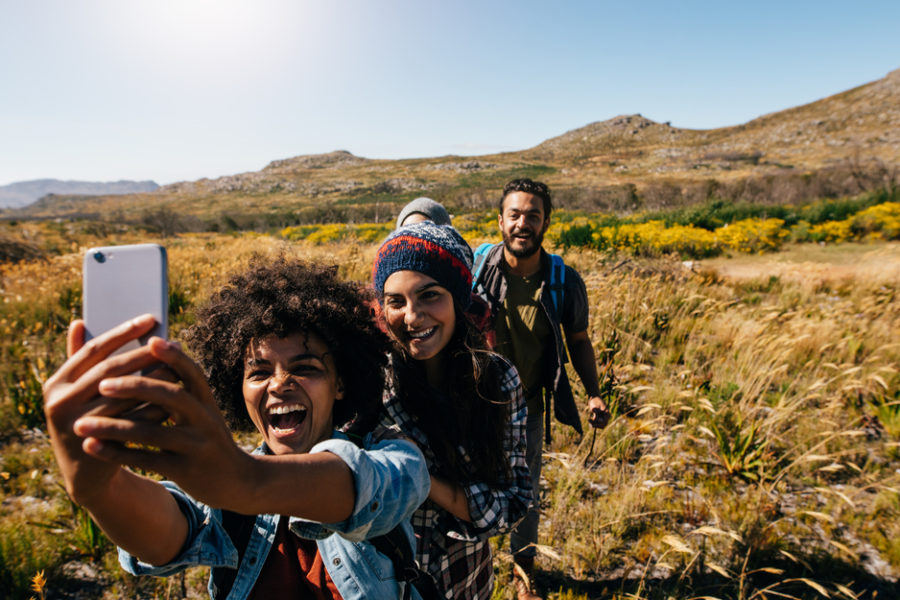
x=455 y=552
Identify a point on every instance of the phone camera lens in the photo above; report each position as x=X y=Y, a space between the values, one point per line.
x=99 y=257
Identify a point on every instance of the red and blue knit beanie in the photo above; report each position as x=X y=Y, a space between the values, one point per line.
x=434 y=250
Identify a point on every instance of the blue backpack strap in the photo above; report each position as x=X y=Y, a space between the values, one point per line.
x=557 y=282
x=478 y=261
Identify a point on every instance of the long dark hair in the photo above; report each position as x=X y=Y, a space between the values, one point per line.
x=470 y=413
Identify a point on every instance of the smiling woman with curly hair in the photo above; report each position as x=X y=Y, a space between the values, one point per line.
x=279 y=298
x=292 y=350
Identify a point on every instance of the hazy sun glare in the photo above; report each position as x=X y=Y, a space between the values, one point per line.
x=179 y=39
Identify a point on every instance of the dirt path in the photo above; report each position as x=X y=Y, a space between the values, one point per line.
x=879 y=262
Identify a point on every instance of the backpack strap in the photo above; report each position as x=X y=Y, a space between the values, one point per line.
x=557 y=282
x=239 y=528
x=395 y=545
x=478 y=261
x=557 y=274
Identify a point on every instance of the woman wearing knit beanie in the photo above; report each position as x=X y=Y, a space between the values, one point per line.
x=461 y=403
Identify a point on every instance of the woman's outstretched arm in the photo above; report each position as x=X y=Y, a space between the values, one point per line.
x=136 y=513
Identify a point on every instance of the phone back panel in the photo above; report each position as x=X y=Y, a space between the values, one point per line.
x=123 y=282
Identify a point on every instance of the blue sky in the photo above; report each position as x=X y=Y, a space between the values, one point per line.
x=174 y=90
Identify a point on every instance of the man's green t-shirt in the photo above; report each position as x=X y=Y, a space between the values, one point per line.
x=524 y=335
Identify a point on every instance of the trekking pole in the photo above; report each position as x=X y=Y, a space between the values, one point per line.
x=591 y=449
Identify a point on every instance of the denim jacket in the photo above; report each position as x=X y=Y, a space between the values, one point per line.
x=391 y=481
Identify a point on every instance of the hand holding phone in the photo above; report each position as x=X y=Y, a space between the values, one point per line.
x=123 y=282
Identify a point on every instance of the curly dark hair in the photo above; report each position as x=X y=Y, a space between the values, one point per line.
x=472 y=413
x=281 y=297
x=535 y=188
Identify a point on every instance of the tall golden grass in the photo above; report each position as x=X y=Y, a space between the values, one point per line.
x=754 y=450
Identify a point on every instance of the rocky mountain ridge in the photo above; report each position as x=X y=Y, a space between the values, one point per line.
x=861 y=122
x=836 y=142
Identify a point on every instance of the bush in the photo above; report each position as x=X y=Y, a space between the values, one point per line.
x=753 y=235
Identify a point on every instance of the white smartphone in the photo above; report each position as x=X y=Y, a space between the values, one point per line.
x=123 y=282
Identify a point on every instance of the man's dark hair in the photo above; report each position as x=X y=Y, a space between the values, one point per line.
x=529 y=186
x=281 y=297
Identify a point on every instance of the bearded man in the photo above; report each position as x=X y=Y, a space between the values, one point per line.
x=532 y=307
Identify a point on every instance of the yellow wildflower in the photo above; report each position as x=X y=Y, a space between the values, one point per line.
x=38 y=583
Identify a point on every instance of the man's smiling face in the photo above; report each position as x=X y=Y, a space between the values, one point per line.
x=523 y=223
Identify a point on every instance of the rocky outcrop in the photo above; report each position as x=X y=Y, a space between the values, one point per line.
x=618 y=133
x=338 y=158
x=469 y=166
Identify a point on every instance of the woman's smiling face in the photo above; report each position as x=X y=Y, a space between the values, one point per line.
x=290 y=387
x=419 y=313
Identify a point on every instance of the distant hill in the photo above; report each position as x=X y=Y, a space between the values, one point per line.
x=862 y=122
x=22 y=193
x=836 y=146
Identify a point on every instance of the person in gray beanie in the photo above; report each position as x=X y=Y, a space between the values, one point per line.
x=423 y=209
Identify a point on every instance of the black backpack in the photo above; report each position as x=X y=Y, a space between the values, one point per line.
x=395 y=545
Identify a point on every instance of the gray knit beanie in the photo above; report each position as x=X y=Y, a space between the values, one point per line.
x=435 y=211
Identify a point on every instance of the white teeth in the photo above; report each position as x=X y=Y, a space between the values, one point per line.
x=421 y=334
x=283 y=409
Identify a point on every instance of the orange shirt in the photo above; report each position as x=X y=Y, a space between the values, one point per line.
x=293 y=569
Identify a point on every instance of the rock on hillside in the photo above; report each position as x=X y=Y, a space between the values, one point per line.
x=255 y=182
x=279 y=176
x=619 y=133
x=15 y=250
x=336 y=159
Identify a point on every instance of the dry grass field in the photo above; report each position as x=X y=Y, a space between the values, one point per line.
x=754 y=450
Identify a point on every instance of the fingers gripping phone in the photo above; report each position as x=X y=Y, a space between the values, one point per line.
x=123 y=282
